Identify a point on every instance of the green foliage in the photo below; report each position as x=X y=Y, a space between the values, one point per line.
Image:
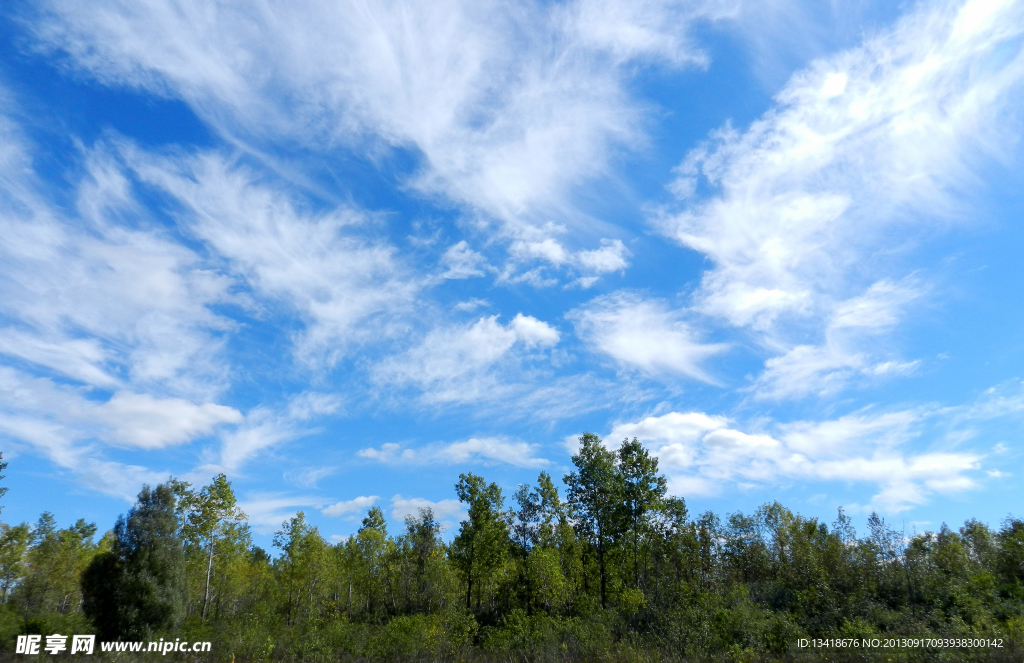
x=138 y=588
x=482 y=544
x=215 y=534
x=619 y=571
x=596 y=500
x=14 y=542
x=49 y=568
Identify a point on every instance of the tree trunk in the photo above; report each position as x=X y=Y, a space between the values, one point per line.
x=209 y=571
x=636 y=564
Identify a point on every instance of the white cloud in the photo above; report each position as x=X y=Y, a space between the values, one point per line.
x=70 y=428
x=410 y=506
x=90 y=302
x=531 y=331
x=821 y=371
x=308 y=477
x=454 y=363
x=877 y=309
x=139 y=420
x=79 y=359
x=643 y=334
x=264 y=428
x=102 y=303
x=486 y=450
x=838 y=436
x=449 y=353
x=354 y=505
x=343 y=286
x=471 y=304
x=501 y=450
x=611 y=257
x=511 y=105
x=261 y=430
x=822 y=200
x=389 y=452
x=462 y=262
x=704 y=454
x=268 y=511
x=641 y=29
x=849 y=351
x=311 y=404
x=680 y=426
x=547 y=249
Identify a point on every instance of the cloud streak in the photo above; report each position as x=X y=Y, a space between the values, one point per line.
x=645 y=335
x=483 y=450
x=510 y=106
x=908 y=455
x=809 y=213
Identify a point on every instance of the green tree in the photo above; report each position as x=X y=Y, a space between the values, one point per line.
x=643 y=495
x=426 y=551
x=138 y=588
x=3 y=489
x=14 y=541
x=54 y=563
x=525 y=525
x=213 y=525
x=373 y=552
x=302 y=568
x=482 y=542
x=1010 y=557
x=595 y=494
x=551 y=511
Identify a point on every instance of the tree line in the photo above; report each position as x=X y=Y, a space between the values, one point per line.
x=613 y=569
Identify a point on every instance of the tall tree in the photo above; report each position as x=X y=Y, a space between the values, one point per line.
x=14 y=542
x=595 y=495
x=3 y=466
x=138 y=588
x=302 y=567
x=643 y=494
x=373 y=549
x=426 y=549
x=482 y=541
x=551 y=511
x=54 y=564
x=526 y=519
x=212 y=519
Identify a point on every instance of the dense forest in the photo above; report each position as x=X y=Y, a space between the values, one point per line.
x=613 y=569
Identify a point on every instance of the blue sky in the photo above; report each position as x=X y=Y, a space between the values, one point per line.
x=346 y=251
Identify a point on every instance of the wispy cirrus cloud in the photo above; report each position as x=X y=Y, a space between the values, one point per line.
x=482 y=450
x=456 y=364
x=846 y=355
x=511 y=106
x=344 y=286
x=907 y=455
x=217 y=299
x=264 y=428
x=813 y=210
x=108 y=338
x=268 y=512
x=705 y=454
x=63 y=424
x=99 y=302
x=644 y=334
